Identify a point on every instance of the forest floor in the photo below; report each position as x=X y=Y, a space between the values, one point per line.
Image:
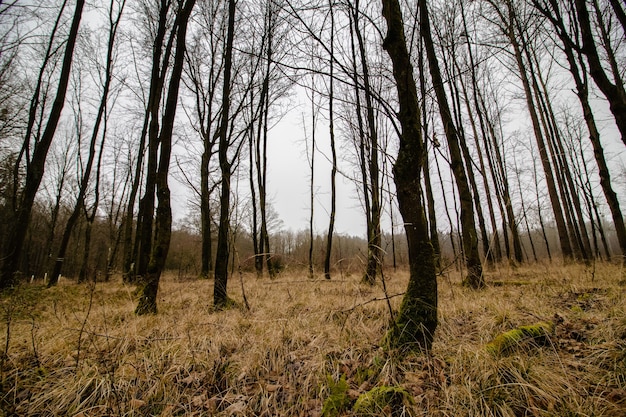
x=311 y=347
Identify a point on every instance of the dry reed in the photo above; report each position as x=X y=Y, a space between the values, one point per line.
x=78 y=350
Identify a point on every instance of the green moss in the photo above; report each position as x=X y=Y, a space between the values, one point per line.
x=364 y=374
x=577 y=309
x=505 y=342
x=338 y=399
x=416 y=320
x=382 y=401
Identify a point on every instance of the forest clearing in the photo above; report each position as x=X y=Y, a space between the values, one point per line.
x=312 y=347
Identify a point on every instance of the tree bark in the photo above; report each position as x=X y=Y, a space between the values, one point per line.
x=374 y=238
x=331 y=132
x=84 y=181
x=579 y=74
x=18 y=226
x=163 y=219
x=614 y=92
x=220 y=297
x=564 y=239
x=416 y=321
x=474 y=278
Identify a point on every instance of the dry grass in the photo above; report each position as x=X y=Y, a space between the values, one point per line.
x=80 y=351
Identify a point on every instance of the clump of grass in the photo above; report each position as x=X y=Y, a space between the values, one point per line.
x=79 y=349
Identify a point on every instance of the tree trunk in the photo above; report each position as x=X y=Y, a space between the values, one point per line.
x=331 y=132
x=163 y=219
x=84 y=181
x=374 y=238
x=564 y=239
x=416 y=321
x=19 y=222
x=312 y=189
x=430 y=199
x=614 y=93
x=220 y=297
x=579 y=74
x=474 y=278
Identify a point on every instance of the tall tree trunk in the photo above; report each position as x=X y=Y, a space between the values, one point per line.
x=614 y=92
x=362 y=146
x=163 y=219
x=416 y=321
x=564 y=239
x=18 y=224
x=136 y=254
x=474 y=276
x=579 y=74
x=84 y=181
x=220 y=297
x=261 y=149
x=494 y=247
x=453 y=73
x=258 y=259
x=428 y=187
x=374 y=238
x=333 y=151
x=312 y=188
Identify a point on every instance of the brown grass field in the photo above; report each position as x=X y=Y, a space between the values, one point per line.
x=311 y=347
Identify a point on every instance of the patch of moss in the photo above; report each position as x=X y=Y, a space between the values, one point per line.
x=338 y=399
x=505 y=342
x=576 y=309
x=382 y=400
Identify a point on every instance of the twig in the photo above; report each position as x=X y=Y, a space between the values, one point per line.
x=385 y=298
x=92 y=290
x=382 y=278
x=243 y=290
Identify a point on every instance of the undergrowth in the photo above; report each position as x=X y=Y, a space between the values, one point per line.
x=311 y=347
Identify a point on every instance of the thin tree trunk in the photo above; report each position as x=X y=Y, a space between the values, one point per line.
x=84 y=181
x=312 y=189
x=521 y=193
x=430 y=199
x=374 y=237
x=474 y=276
x=18 y=225
x=564 y=239
x=615 y=93
x=541 y=223
x=163 y=218
x=220 y=297
x=494 y=247
x=447 y=210
x=258 y=260
x=331 y=132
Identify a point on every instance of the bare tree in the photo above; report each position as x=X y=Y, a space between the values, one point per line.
x=331 y=132
x=220 y=298
x=163 y=219
x=415 y=323
x=552 y=10
x=23 y=202
x=475 y=277
x=114 y=20
x=613 y=90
